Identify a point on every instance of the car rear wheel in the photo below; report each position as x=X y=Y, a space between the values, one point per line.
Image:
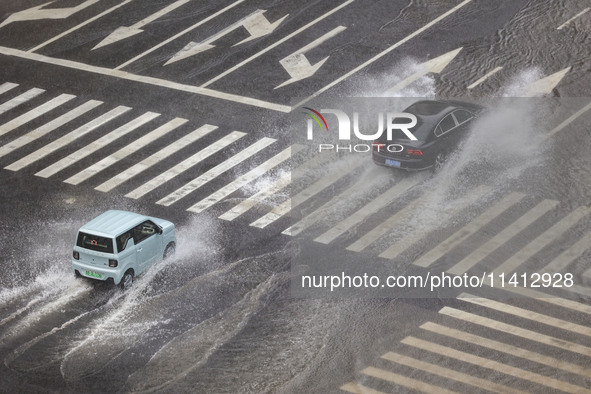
x=127 y=280
x=169 y=251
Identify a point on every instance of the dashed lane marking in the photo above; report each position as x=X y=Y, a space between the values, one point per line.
x=572 y=19
x=484 y=78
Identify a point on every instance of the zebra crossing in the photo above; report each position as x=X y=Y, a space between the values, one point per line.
x=61 y=122
x=438 y=353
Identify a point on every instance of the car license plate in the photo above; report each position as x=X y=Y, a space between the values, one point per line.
x=393 y=163
x=93 y=274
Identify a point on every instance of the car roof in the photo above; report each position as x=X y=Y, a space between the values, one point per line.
x=113 y=223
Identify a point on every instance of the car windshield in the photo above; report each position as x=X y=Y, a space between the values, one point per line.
x=94 y=242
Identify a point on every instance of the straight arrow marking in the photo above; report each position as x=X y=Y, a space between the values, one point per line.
x=297 y=64
x=36 y=13
x=546 y=85
x=124 y=32
x=435 y=66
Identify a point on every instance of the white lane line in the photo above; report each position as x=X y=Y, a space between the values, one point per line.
x=569 y=255
x=384 y=52
x=20 y=99
x=357 y=388
x=386 y=226
x=487 y=363
x=246 y=204
x=35 y=113
x=517 y=331
x=96 y=145
x=572 y=19
x=49 y=127
x=155 y=158
x=188 y=29
x=404 y=381
x=485 y=77
x=86 y=22
x=411 y=237
x=439 y=370
x=569 y=120
x=501 y=238
x=185 y=165
x=245 y=179
x=125 y=151
x=469 y=229
x=144 y=79
x=505 y=348
x=281 y=41
x=6 y=86
x=68 y=138
x=374 y=206
x=284 y=208
x=526 y=314
x=215 y=171
x=542 y=240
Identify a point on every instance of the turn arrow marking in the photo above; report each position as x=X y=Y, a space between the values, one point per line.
x=435 y=66
x=123 y=32
x=297 y=64
x=256 y=24
x=36 y=13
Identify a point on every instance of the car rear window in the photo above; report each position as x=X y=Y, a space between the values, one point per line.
x=94 y=242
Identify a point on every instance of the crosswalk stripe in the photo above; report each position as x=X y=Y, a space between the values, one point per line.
x=517 y=331
x=125 y=151
x=155 y=158
x=48 y=127
x=469 y=229
x=562 y=261
x=374 y=206
x=96 y=145
x=357 y=388
x=67 y=139
x=20 y=99
x=404 y=381
x=498 y=240
x=411 y=237
x=493 y=365
x=185 y=165
x=505 y=348
x=215 y=171
x=550 y=299
x=449 y=373
x=385 y=227
x=256 y=198
x=542 y=240
x=284 y=208
x=245 y=179
x=6 y=86
x=526 y=314
x=35 y=113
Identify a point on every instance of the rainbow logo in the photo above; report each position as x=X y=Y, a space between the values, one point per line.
x=315 y=116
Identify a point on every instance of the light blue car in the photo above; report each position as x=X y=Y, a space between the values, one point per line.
x=118 y=245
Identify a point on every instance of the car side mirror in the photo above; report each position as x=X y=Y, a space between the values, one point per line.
x=159 y=230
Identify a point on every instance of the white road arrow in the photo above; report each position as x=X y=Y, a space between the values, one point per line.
x=297 y=64
x=431 y=66
x=123 y=32
x=545 y=85
x=37 y=13
x=256 y=24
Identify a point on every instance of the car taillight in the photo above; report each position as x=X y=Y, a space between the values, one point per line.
x=414 y=152
x=377 y=144
x=113 y=263
x=76 y=255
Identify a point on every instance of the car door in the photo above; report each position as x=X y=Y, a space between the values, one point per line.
x=126 y=251
x=463 y=119
x=147 y=244
x=445 y=134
